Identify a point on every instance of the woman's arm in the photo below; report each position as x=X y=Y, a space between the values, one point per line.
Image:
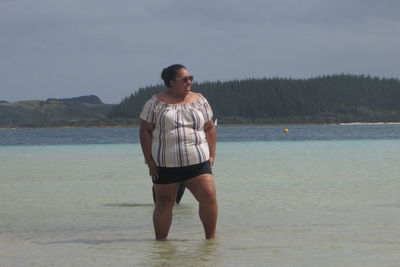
x=145 y=131
x=211 y=137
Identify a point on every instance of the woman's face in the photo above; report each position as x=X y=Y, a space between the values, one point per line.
x=182 y=83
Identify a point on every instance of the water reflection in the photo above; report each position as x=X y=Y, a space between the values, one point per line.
x=184 y=253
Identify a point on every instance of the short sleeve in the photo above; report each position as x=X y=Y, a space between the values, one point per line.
x=148 y=111
x=207 y=111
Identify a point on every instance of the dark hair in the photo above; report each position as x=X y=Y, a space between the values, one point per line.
x=170 y=73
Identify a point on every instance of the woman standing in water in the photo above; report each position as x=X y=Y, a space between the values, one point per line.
x=178 y=140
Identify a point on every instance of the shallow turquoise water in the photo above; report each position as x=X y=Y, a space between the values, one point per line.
x=290 y=203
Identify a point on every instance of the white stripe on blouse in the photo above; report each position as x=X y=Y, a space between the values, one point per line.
x=178 y=138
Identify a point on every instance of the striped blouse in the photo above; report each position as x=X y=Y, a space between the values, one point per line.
x=178 y=138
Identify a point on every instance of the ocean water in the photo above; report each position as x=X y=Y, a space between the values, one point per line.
x=315 y=196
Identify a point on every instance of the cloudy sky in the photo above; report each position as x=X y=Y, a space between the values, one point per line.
x=68 y=48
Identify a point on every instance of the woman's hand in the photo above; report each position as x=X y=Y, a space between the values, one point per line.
x=153 y=170
x=212 y=161
x=211 y=137
x=145 y=131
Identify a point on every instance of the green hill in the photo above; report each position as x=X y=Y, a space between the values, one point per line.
x=77 y=111
x=326 y=99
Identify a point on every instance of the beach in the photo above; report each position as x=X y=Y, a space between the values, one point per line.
x=318 y=195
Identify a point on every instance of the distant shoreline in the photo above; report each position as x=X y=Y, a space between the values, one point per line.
x=367 y=123
x=307 y=124
x=70 y=127
x=219 y=125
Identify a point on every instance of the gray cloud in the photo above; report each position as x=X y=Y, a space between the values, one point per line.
x=69 y=48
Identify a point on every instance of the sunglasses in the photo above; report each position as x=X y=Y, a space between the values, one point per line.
x=186 y=79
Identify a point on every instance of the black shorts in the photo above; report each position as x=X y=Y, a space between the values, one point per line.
x=169 y=175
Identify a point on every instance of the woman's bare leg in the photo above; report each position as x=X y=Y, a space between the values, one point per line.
x=203 y=189
x=162 y=215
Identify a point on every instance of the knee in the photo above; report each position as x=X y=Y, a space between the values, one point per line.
x=208 y=197
x=165 y=201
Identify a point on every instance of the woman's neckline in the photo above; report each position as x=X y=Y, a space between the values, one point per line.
x=179 y=104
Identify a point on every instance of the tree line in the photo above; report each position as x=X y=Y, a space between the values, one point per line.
x=324 y=99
